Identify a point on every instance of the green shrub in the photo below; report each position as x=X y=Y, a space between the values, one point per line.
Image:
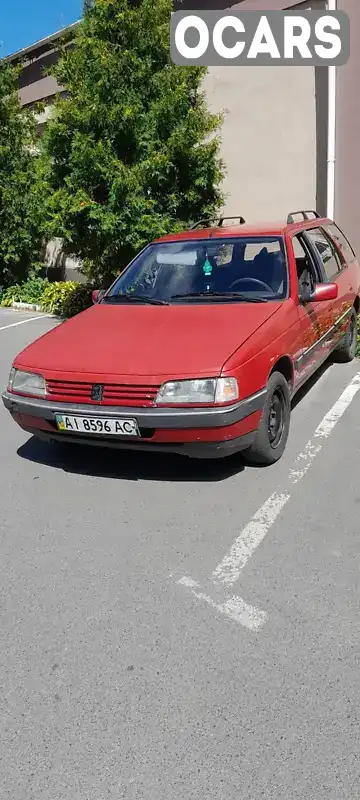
x=11 y=295
x=66 y=298
x=33 y=290
x=78 y=300
x=55 y=294
x=29 y=292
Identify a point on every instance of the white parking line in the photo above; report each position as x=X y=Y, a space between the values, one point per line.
x=324 y=429
x=251 y=536
x=234 y=607
x=24 y=321
x=229 y=569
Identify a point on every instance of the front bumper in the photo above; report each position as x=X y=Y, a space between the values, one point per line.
x=198 y=432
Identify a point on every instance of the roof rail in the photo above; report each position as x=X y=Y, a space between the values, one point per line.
x=221 y=220
x=207 y=222
x=305 y=215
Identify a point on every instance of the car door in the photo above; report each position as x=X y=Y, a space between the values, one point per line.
x=347 y=278
x=334 y=270
x=315 y=318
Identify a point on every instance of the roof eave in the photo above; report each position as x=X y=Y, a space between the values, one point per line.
x=41 y=44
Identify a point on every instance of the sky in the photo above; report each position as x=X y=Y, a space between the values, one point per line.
x=23 y=22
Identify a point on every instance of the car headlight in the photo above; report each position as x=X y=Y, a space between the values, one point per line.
x=207 y=390
x=26 y=383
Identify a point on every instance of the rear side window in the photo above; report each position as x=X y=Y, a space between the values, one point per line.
x=327 y=251
x=254 y=249
x=341 y=242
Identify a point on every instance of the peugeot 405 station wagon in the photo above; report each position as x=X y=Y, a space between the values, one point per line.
x=199 y=346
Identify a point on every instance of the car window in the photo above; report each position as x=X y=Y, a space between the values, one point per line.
x=306 y=271
x=254 y=266
x=327 y=251
x=342 y=242
x=253 y=249
x=224 y=254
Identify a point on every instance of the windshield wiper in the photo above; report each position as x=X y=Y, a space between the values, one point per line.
x=219 y=296
x=138 y=298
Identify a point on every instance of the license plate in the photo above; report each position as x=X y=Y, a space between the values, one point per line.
x=95 y=425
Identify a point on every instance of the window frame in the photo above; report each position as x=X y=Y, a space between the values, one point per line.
x=341 y=232
x=317 y=255
x=314 y=263
x=247 y=238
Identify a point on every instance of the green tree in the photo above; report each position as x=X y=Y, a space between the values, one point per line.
x=132 y=152
x=20 y=216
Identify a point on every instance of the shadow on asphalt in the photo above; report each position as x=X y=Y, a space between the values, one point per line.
x=131 y=466
x=127 y=465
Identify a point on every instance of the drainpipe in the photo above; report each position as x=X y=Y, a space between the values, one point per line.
x=331 y=152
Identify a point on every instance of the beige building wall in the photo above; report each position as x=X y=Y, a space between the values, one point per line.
x=269 y=138
x=274 y=138
x=347 y=165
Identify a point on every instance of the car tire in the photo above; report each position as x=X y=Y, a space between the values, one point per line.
x=347 y=350
x=272 y=433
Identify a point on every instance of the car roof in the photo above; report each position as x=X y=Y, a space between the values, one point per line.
x=245 y=230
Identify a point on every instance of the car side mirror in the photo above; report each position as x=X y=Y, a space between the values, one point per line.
x=97 y=295
x=324 y=291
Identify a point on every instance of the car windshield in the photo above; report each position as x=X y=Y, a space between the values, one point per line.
x=212 y=270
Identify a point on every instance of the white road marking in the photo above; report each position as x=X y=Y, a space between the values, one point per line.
x=188 y=582
x=235 y=607
x=24 y=321
x=251 y=536
x=324 y=429
x=229 y=569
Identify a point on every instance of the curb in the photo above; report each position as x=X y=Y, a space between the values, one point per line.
x=33 y=307
x=17 y=306
x=26 y=306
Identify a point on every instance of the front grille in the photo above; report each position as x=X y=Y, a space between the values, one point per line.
x=114 y=394
x=66 y=390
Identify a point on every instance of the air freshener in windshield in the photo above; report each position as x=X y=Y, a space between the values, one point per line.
x=207 y=268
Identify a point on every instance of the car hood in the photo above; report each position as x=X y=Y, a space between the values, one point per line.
x=136 y=340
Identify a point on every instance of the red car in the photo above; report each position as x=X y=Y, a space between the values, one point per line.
x=200 y=344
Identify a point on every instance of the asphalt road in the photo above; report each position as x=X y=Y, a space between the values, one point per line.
x=168 y=632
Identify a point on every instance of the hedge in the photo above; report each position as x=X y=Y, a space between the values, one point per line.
x=29 y=292
x=63 y=298
x=66 y=298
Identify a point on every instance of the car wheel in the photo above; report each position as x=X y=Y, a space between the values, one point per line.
x=272 y=433
x=347 y=350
